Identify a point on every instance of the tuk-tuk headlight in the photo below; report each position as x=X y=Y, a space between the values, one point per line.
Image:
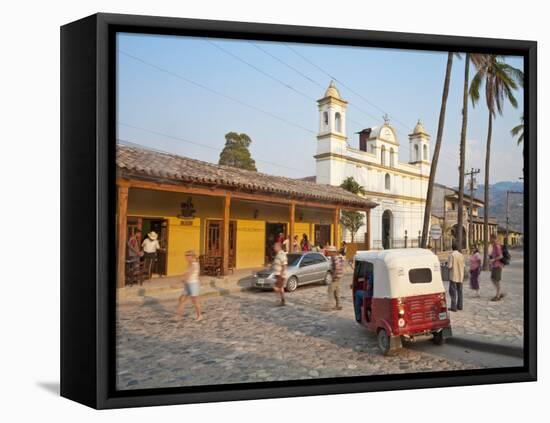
x=401 y=310
x=401 y=322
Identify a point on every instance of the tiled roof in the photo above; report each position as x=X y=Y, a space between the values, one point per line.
x=140 y=163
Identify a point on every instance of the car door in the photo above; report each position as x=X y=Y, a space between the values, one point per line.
x=306 y=270
x=319 y=267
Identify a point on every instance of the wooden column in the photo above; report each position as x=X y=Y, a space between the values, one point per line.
x=335 y=227
x=122 y=233
x=225 y=234
x=291 y=220
x=368 y=239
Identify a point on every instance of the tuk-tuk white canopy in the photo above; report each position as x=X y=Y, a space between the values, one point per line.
x=392 y=267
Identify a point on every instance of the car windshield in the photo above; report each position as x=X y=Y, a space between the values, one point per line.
x=293 y=259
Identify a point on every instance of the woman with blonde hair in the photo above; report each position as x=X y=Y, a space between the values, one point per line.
x=191 y=286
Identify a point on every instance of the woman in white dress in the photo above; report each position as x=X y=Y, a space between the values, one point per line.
x=191 y=286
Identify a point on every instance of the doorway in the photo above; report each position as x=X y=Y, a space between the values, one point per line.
x=214 y=240
x=272 y=235
x=387 y=229
x=158 y=225
x=322 y=235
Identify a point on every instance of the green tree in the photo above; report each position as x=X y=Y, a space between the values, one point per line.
x=500 y=81
x=517 y=132
x=437 y=149
x=236 y=153
x=352 y=220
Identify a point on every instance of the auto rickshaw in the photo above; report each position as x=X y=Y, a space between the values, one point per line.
x=399 y=295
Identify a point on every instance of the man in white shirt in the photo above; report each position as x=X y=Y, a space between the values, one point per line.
x=456 y=277
x=150 y=247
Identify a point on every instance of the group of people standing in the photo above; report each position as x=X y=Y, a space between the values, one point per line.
x=498 y=258
x=147 y=249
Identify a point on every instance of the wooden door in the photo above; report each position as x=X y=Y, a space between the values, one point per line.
x=214 y=239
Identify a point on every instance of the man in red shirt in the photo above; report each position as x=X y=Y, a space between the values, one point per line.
x=496 y=267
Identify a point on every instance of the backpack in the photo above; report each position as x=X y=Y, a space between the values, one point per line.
x=506 y=257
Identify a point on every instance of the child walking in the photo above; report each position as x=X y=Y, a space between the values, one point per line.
x=191 y=286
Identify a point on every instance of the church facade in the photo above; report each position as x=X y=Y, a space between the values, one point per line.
x=398 y=187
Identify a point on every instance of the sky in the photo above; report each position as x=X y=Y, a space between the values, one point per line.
x=183 y=94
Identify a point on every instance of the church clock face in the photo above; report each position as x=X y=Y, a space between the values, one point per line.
x=387 y=134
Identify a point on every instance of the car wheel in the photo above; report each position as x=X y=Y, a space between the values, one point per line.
x=438 y=338
x=328 y=278
x=291 y=284
x=383 y=341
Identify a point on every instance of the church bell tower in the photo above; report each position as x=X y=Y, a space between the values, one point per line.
x=332 y=121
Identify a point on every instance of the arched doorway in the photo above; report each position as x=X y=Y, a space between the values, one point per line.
x=454 y=235
x=387 y=218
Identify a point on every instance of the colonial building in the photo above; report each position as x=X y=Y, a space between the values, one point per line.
x=230 y=217
x=445 y=214
x=398 y=187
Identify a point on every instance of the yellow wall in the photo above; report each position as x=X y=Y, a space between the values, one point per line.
x=190 y=234
x=182 y=236
x=250 y=243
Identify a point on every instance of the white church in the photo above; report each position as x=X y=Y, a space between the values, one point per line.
x=398 y=187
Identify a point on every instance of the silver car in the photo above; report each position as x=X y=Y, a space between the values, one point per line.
x=303 y=268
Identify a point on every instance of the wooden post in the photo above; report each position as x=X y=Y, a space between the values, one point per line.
x=225 y=234
x=122 y=228
x=335 y=227
x=291 y=227
x=368 y=240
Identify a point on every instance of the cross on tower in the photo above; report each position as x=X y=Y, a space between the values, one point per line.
x=386 y=118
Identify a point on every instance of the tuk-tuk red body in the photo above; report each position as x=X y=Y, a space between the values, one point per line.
x=399 y=294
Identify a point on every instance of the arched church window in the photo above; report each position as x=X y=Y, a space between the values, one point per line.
x=392 y=158
x=416 y=153
x=383 y=155
x=387 y=181
x=325 y=118
x=425 y=149
x=338 y=122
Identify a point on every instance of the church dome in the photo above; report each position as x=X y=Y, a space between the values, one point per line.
x=332 y=91
x=419 y=128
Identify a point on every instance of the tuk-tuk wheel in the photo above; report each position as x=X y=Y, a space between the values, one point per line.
x=383 y=341
x=438 y=338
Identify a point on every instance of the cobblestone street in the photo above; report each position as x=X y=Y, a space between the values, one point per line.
x=245 y=338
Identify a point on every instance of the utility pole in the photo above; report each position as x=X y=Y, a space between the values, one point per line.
x=471 y=174
x=507 y=215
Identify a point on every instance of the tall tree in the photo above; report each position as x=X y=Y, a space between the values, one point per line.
x=352 y=220
x=236 y=153
x=460 y=208
x=500 y=81
x=437 y=148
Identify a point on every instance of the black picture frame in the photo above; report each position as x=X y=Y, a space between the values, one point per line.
x=88 y=198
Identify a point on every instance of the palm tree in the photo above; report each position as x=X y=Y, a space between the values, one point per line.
x=500 y=80
x=517 y=131
x=460 y=207
x=437 y=148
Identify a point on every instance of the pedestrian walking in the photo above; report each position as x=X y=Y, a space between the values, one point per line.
x=304 y=243
x=150 y=247
x=456 y=277
x=191 y=286
x=496 y=261
x=279 y=266
x=475 y=270
x=337 y=271
x=286 y=245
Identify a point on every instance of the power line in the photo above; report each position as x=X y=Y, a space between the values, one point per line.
x=217 y=149
x=280 y=81
x=204 y=87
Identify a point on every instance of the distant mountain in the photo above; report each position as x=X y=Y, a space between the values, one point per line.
x=497 y=203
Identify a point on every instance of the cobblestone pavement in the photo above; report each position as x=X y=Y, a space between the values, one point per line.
x=245 y=338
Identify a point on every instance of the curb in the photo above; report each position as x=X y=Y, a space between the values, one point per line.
x=483 y=345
